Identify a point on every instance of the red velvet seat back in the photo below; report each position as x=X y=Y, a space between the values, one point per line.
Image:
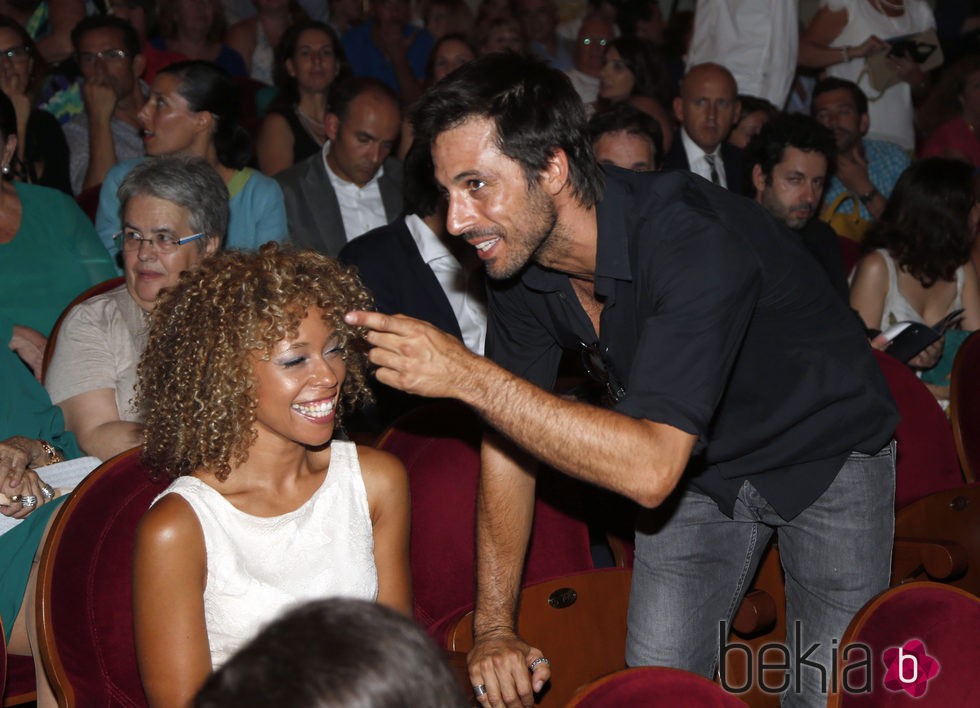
x=965 y=404
x=944 y=619
x=649 y=686
x=439 y=444
x=85 y=587
x=850 y=253
x=927 y=460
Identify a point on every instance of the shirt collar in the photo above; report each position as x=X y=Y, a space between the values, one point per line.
x=693 y=150
x=612 y=247
x=430 y=247
x=340 y=183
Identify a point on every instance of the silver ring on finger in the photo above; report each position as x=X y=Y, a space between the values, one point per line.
x=47 y=491
x=540 y=660
x=479 y=690
x=28 y=501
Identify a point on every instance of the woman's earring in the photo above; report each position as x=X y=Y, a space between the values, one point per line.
x=5 y=169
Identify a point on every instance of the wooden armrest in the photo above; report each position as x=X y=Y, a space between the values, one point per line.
x=756 y=614
x=940 y=560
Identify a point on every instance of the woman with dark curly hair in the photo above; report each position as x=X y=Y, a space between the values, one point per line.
x=248 y=366
x=918 y=267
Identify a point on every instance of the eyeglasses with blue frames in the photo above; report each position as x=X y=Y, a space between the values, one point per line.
x=17 y=54
x=599 y=370
x=130 y=240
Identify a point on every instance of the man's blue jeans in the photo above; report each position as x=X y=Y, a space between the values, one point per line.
x=691 y=571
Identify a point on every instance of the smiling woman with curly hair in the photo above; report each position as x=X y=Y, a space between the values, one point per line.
x=249 y=363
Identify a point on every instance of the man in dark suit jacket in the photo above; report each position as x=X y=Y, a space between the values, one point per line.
x=414 y=267
x=707 y=109
x=353 y=181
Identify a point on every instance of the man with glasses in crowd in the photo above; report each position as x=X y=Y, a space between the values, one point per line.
x=741 y=403
x=108 y=52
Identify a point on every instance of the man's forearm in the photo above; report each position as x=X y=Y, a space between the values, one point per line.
x=637 y=458
x=505 y=511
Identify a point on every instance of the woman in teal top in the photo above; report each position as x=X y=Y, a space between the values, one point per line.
x=32 y=432
x=49 y=252
x=192 y=111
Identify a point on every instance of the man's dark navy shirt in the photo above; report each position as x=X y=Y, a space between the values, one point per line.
x=718 y=323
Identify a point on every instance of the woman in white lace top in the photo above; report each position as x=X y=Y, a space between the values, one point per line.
x=247 y=368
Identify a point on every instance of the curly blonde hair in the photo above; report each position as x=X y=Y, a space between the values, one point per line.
x=196 y=387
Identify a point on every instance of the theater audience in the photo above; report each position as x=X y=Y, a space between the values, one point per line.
x=308 y=61
x=450 y=52
x=626 y=137
x=49 y=252
x=195 y=29
x=539 y=19
x=107 y=131
x=633 y=72
x=192 y=110
x=174 y=212
x=42 y=152
x=706 y=109
x=334 y=654
x=866 y=168
x=255 y=38
x=248 y=369
x=500 y=34
x=918 y=266
x=351 y=185
x=345 y=15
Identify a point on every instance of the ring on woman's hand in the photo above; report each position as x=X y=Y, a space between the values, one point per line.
x=47 y=491
x=479 y=690
x=28 y=501
x=533 y=664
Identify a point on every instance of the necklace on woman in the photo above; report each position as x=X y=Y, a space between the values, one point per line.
x=316 y=129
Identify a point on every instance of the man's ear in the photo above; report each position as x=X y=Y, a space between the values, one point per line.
x=737 y=115
x=554 y=177
x=864 y=123
x=679 y=110
x=331 y=125
x=758 y=179
x=213 y=242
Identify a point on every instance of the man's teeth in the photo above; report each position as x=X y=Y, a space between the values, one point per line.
x=485 y=245
x=319 y=409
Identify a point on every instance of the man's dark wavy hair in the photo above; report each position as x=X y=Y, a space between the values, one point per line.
x=535 y=109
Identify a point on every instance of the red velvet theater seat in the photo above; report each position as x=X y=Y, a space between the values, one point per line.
x=928 y=621
x=439 y=444
x=650 y=686
x=85 y=589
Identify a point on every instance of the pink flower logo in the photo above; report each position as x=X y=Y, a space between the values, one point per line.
x=909 y=668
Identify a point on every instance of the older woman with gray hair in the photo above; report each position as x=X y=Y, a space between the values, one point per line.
x=174 y=212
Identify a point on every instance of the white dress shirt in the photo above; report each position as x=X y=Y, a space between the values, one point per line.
x=697 y=162
x=361 y=208
x=465 y=295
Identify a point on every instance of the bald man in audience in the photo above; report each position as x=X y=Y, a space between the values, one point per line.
x=707 y=109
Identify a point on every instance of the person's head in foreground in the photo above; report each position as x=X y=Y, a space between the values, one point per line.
x=336 y=653
x=174 y=213
x=251 y=344
x=511 y=147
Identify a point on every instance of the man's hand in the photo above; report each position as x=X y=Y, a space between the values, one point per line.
x=852 y=169
x=500 y=662
x=872 y=45
x=100 y=100
x=29 y=345
x=416 y=357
